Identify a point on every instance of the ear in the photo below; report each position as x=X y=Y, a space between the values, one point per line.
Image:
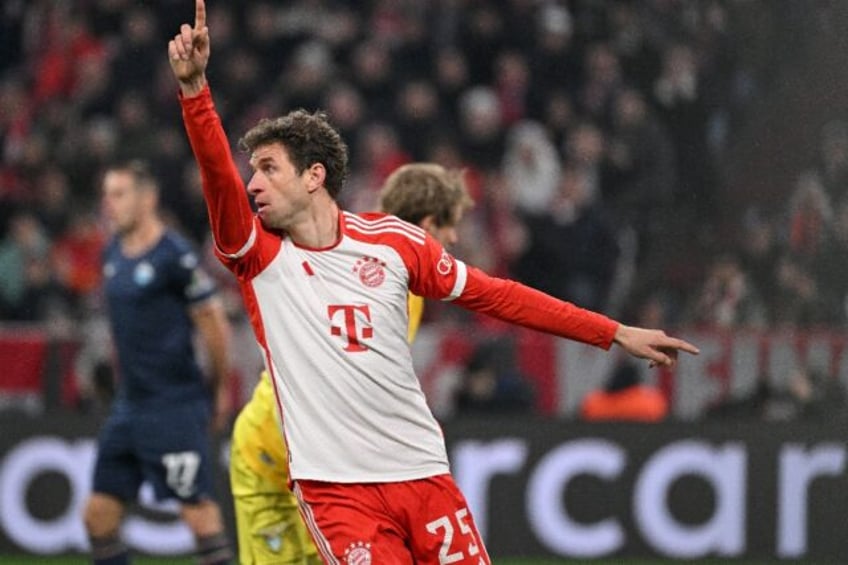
x=428 y=224
x=314 y=176
x=150 y=199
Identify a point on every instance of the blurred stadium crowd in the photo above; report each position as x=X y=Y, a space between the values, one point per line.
x=594 y=134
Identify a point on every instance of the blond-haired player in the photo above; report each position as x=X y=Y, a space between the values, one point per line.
x=270 y=531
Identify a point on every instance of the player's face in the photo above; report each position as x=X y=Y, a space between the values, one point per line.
x=279 y=192
x=121 y=201
x=447 y=234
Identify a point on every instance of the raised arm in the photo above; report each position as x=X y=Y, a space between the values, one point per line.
x=189 y=53
x=230 y=214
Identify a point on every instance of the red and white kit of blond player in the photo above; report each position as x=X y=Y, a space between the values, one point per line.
x=326 y=291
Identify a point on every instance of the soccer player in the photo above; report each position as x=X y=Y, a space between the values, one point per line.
x=158 y=426
x=433 y=198
x=270 y=531
x=326 y=292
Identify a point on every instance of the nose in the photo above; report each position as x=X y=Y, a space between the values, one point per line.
x=253 y=185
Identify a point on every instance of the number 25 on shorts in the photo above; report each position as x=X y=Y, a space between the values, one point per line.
x=450 y=552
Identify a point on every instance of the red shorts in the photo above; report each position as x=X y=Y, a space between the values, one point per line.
x=426 y=522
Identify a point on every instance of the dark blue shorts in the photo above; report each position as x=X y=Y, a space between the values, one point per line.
x=168 y=447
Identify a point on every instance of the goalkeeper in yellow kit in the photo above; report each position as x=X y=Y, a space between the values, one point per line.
x=270 y=531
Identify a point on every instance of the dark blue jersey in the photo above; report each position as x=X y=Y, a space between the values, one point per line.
x=149 y=297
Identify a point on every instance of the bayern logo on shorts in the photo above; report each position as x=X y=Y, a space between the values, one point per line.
x=371 y=271
x=358 y=553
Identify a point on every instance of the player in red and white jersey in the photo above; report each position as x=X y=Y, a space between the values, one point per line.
x=326 y=292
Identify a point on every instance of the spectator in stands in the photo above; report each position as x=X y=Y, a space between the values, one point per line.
x=642 y=157
x=346 y=108
x=833 y=159
x=810 y=217
x=806 y=394
x=492 y=384
x=418 y=116
x=799 y=302
x=601 y=82
x=556 y=111
x=75 y=260
x=135 y=125
x=98 y=144
x=585 y=150
x=625 y=397
x=26 y=285
x=830 y=266
x=695 y=64
x=531 y=168
x=308 y=75
x=379 y=153
x=759 y=252
x=572 y=248
x=481 y=32
x=134 y=67
x=371 y=71
x=243 y=77
x=554 y=59
x=53 y=200
x=481 y=131
x=512 y=86
x=727 y=299
x=450 y=77
x=679 y=96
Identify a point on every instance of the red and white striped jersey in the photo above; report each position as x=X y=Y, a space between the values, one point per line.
x=333 y=323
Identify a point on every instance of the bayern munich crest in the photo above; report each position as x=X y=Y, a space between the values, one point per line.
x=371 y=271
x=358 y=553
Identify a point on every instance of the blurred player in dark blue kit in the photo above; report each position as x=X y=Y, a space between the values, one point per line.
x=157 y=431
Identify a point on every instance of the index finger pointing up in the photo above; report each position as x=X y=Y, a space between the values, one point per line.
x=199 y=14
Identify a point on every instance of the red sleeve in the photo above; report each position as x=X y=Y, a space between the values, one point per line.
x=516 y=303
x=229 y=209
x=434 y=273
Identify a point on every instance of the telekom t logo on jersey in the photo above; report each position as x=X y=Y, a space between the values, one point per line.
x=344 y=321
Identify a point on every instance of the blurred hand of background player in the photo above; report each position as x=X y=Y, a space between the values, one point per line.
x=223 y=410
x=188 y=52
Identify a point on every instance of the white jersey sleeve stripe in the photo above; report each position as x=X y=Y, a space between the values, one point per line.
x=245 y=248
x=377 y=226
x=387 y=220
x=377 y=231
x=459 y=284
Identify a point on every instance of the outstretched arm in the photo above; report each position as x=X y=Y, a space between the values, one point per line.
x=519 y=304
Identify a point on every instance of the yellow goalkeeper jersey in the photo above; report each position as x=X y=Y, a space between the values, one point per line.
x=258 y=435
x=415 y=305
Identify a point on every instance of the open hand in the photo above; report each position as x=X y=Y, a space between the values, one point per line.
x=188 y=52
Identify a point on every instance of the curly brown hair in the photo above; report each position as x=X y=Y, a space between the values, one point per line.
x=308 y=138
x=417 y=190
